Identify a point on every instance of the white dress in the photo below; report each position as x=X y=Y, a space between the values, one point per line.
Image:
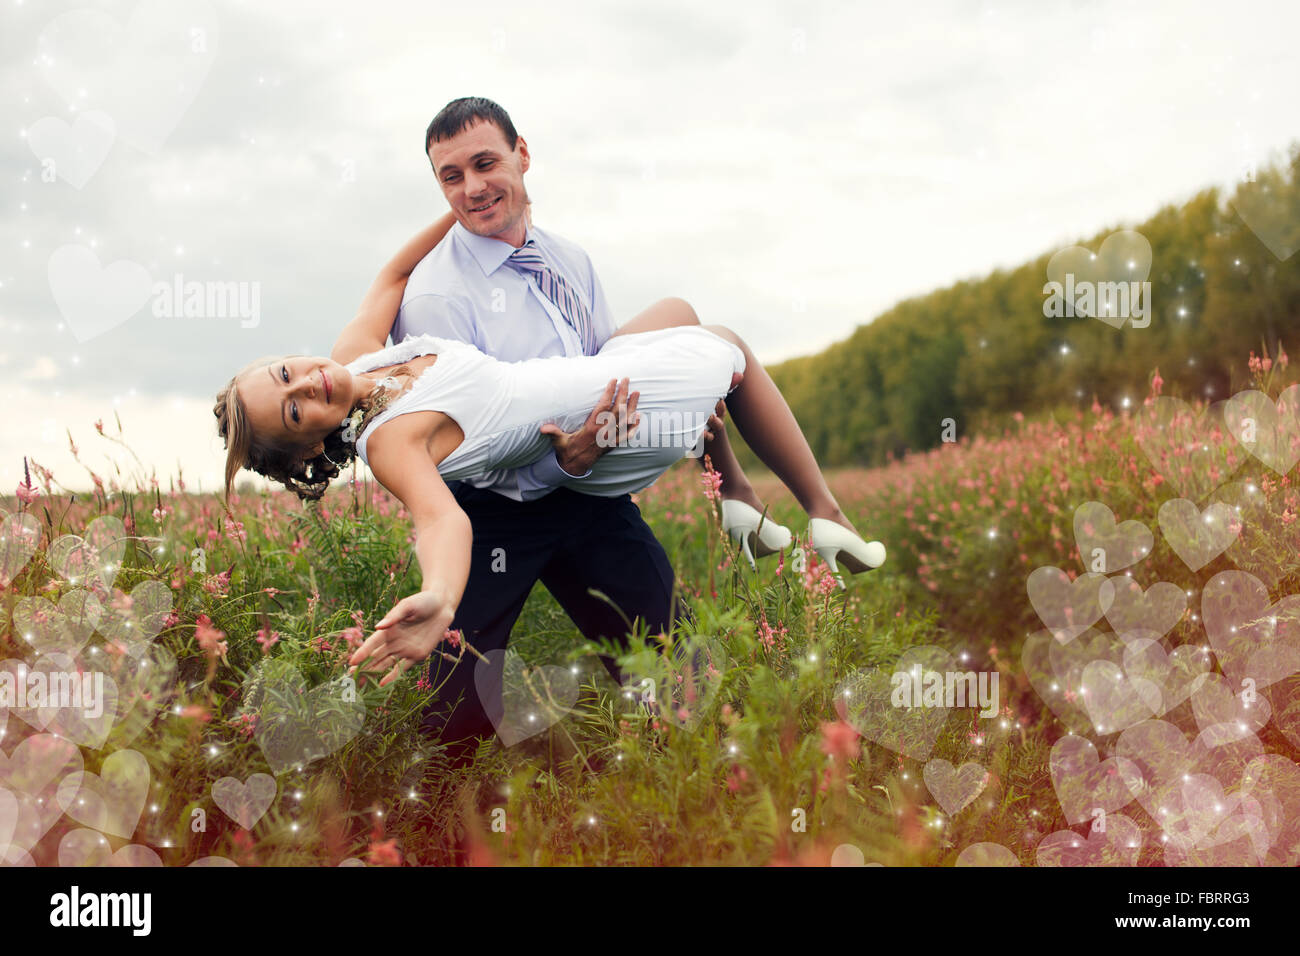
x=681 y=374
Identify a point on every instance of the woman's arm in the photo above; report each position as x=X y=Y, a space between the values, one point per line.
x=400 y=459
x=369 y=330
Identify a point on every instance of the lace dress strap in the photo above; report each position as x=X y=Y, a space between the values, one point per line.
x=413 y=346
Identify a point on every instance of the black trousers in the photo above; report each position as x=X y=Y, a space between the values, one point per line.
x=570 y=542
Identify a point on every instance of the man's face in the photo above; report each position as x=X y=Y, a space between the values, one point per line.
x=484 y=181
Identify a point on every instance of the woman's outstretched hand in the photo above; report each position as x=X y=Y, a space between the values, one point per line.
x=406 y=635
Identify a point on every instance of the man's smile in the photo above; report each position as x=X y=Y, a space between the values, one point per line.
x=485 y=207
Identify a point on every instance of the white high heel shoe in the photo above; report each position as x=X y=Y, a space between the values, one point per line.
x=831 y=540
x=741 y=522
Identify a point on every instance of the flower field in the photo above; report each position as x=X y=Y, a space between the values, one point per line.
x=1123 y=580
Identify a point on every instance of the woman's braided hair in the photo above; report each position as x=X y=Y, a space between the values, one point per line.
x=307 y=477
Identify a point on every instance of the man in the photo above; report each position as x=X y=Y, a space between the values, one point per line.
x=492 y=282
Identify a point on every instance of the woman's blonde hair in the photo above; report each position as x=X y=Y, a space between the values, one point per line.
x=307 y=477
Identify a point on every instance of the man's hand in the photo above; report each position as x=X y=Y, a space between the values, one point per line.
x=577 y=451
x=406 y=635
x=715 y=420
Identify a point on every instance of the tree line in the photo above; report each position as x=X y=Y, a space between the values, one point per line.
x=1221 y=283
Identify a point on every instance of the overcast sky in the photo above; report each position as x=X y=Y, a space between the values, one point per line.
x=792 y=169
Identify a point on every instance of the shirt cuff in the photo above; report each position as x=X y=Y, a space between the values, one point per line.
x=545 y=473
x=553 y=457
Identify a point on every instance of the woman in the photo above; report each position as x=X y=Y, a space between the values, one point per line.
x=430 y=409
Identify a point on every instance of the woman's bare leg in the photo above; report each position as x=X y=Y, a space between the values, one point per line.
x=766 y=422
x=667 y=313
x=671 y=313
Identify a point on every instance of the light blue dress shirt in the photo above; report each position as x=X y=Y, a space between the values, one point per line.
x=464 y=290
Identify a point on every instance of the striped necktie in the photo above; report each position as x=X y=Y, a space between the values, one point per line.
x=528 y=258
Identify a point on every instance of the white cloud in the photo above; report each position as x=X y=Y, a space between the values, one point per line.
x=41 y=369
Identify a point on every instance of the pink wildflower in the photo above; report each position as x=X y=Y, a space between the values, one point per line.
x=267 y=639
x=211 y=641
x=840 y=742
x=711 y=480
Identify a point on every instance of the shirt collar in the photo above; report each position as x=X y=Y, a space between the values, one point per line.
x=488 y=252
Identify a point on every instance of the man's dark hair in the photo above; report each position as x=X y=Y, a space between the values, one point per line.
x=458 y=114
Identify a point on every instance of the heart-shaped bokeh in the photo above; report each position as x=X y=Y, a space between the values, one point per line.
x=1192 y=449
x=60 y=694
x=9 y=814
x=245 y=802
x=1105 y=546
x=145 y=72
x=75 y=150
x=90 y=848
x=297 y=726
x=31 y=774
x=953 y=788
x=1157 y=609
x=1198 y=536
x=1163 y=758
x=1224 y=716
x=987 y=854
x=1114 y=701
x=1084 y=783
x=1123 y=258
x=1268 y=430
x=112 y=800
x=520 y=700
x=1274 y=781
x=64 y=627
x=1264 y=544
x=145 y=675
x=1068 y=607
x=1117 y=845
x=683 y=681
x=93 y=558
x=1284 y=702
x=138 y=617
x=94 y=298
x=866 y=701
x=19 y=536
x=1252 y=638
x=1055 y=670
x=1263 y=204
x=1201 y=815
x=1177 y=673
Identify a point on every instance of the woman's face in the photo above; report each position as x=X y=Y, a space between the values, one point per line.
x=297 y=400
